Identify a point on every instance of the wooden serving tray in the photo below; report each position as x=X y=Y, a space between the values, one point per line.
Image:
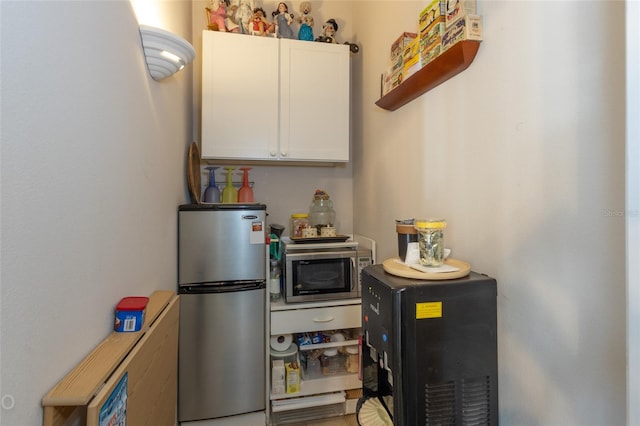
x=393 y=267
x=193 y=173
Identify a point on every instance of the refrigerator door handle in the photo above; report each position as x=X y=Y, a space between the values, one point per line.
x=226 y=287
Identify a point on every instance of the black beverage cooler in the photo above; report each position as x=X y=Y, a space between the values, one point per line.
x=429 y=351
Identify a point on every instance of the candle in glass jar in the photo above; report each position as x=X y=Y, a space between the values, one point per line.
x=431 y=241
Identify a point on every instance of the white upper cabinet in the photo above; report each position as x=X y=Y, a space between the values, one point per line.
x=274 y=99
x=239 y=96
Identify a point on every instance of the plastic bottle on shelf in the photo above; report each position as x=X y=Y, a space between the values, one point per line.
x=245 y=194
x=212 y=193
x=229 y=193
x=274 y=280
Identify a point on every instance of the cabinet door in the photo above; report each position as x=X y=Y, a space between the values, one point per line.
x=314 y=101
x=239 y=96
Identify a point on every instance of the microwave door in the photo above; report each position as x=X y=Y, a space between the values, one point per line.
x=323 y=280
x=320 y=276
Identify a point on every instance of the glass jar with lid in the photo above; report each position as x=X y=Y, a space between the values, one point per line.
x=332 y=362
x=321 y=212
x=353 y=359
x=431 y=241
x=299 y=221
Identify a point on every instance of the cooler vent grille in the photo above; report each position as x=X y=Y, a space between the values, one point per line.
x=440 y=407
x=476 y=407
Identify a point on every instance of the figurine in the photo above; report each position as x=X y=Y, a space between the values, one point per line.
x=230 y=22
x=329 y=30
x=243 y=13
x=283 y=20
x=259 y=24
x=306 y=29
x=306 y=22
x=216 y=15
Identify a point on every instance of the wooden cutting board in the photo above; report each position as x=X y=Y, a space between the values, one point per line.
x=394 y=267
x=193 y=173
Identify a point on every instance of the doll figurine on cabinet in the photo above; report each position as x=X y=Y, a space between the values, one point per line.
x=259 y=24
x=329 y=30
x=216 y=15
x=243 y=14
x=306 y=29
x=283 y=20
x=306 y=22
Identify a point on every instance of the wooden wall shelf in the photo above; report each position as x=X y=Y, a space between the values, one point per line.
x=450 y=63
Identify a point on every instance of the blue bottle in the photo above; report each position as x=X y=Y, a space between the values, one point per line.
x=212 y=193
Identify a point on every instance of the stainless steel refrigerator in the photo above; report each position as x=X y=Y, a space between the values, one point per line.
x=221 y=282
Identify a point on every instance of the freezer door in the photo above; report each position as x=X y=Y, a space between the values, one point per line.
x=221 y=245
x=221 y=356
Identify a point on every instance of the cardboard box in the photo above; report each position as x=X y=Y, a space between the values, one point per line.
x=397 y=47
x=432 y=35
x=432 y=12
x=467 y=28
x=391 y=79
x=410 y=67
x=427 y=56
x=277 y=377
x=411 y=58
x=458 y=9
x=397 y=64
x=412 y=50
x=292 y=377
x=431 y=41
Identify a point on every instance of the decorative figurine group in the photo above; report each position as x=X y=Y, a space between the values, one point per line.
x=239 y=16
x=222 y=15
x=280 y=27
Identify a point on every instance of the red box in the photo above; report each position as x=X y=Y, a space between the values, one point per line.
x=130 y=313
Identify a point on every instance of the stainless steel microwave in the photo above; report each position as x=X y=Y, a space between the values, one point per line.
x=321 y=273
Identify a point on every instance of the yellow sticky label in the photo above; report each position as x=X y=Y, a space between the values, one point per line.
x=428 y=310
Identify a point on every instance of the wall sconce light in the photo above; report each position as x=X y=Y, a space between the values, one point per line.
x=165 y=52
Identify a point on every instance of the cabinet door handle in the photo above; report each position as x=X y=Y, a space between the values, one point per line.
x=327 y=319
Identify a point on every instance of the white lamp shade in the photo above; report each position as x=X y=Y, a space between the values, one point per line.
x=166 y=53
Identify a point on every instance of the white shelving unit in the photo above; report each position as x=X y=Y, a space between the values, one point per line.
x=323 y=396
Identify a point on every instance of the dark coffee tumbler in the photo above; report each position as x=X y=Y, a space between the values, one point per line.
x=406 y=234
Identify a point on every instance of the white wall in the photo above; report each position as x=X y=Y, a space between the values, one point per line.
x=93 y=154
x=523 y=154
